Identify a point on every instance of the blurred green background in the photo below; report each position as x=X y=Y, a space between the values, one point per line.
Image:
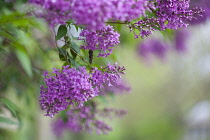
x=168 y=101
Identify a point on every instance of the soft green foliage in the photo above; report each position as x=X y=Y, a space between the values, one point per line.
x=62 y=30
x=11 y=106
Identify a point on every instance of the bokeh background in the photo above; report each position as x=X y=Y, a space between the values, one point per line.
x=169 y=97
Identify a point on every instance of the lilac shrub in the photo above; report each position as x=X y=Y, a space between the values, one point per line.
x=73 y=88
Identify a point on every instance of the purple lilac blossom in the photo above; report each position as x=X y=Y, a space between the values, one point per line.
x=53 y=11
x=91 y=13
x=181 y=37
x=127 y=10
x=104 y=40
x=168 y=14
x=145 y=26
x=86 y=119
x=67 y=87
x=94 y=13
x=72 y=86
x=153 y=47
x=172 y=13
x=107 y=75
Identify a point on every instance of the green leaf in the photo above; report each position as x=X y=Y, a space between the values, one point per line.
x=62 y=57
x=62 y=54
x=62 y=31
x=74 y=63
x=77 y=27
x=75 y=47
x=5 y=4
x=24 y=59
x=7 y=120
x=65 y=63
x=11 y=106
x=62 y=51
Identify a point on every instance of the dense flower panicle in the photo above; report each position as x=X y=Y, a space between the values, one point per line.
x=94 y=13
x=86 y=119
x=69 y=86
x=172 y=13
x=75 y=86
x=103 y=40
x=153 y=47
x=127 y=10
x=91 y=13
x=168 y=14
x=54 y=11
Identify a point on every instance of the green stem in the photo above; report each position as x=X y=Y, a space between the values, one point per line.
x=83 y=59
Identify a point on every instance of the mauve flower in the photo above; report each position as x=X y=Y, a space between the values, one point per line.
x=67 y=87
x=103 y=40
x=53 y=11
x=75 y=86
x=168 y=14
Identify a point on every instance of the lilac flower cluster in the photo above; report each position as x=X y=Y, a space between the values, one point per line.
x=153 y=47
x=86 y=119
x=128 y=10
x=104 y=40
x=107 y=75
x=72 y=86
x=172 y=13
x=91 y=13
x=67 y=87
x=168 y=14
x=53 y=11
x=94 y=13
x=145 y=26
